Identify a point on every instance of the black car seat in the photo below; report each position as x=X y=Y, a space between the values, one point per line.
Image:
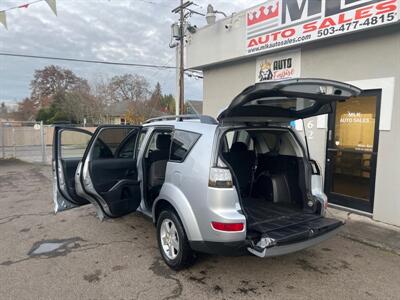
x=271 y=158
x=242 y=162
x=157 y=164
x=272 y=181
x=163 y=143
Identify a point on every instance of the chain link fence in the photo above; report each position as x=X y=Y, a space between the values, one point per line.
x=27 y=141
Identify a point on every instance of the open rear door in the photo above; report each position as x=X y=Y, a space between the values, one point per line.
x=69 y=146
x=281 y=102
x=286 y=100
x=108 y=175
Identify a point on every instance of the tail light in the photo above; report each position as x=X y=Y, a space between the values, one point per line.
x=230 y=227
x=220 y=178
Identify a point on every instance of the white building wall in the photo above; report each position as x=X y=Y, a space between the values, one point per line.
x=373 y=56
x=362 y=56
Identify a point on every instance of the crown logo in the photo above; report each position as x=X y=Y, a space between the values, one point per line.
x=265 y=12
x=266 y=65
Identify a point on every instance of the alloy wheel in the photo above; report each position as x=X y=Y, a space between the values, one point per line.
x=169 y=239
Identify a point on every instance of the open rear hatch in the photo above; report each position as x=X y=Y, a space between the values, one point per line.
x=286 y=100
x=280 y=230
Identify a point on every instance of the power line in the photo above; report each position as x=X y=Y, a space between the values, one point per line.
x=25 y=5
x=154 y=3
x=148 y=2
x=88 y=61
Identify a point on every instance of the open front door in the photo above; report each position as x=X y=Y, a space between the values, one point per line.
x=108 y=175
x=69 y=145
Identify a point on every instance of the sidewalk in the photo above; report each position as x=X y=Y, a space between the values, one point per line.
x=367 y=231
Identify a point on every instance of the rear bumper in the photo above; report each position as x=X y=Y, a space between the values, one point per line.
x=243 y=247
x=290 y=248
x=220 y=248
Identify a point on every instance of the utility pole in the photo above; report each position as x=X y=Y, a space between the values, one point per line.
x=178 y=33
x=181 y=62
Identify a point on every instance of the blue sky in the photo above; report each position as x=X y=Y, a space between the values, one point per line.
x=135 y=31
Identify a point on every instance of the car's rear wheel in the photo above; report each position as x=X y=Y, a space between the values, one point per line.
x=173 y=242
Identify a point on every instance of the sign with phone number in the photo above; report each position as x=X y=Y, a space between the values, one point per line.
x=283 y=23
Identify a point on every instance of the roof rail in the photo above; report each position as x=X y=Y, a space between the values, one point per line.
x=179 y=118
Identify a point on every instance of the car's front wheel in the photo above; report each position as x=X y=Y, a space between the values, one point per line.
x=173 y=242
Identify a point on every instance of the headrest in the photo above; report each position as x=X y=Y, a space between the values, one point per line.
x=274 y=145
x=238 y=147
x=163 y=141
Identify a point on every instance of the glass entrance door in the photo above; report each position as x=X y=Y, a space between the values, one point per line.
x=352 y=151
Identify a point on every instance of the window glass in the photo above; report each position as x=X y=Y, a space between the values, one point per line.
x=160 y=141
x=127 y=147
x=244 y=137
x=115 y=143
x=182 y=143
x=354 y=139
x=279 y=143
x=73 y=143
x=140 y=139
x=355 y=124
x=228 y=141
x=159 y=144
x=292 y=104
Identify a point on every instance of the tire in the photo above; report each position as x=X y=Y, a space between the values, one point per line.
x=176 y=259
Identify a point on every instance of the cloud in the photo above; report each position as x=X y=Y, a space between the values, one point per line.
x=116 y=30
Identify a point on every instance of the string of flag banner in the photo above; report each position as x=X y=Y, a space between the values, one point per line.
x=3 y=13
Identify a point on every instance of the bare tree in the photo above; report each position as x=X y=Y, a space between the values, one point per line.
x=129 y=87
x=53 y=80
x=102 y=91
x=85 y=106
x=26 y=110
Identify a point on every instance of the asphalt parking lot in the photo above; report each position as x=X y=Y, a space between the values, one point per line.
x=73 y=255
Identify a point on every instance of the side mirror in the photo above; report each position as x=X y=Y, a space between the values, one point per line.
x=315 y=169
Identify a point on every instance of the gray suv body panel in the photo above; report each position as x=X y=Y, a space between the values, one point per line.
x=187 y=184
x=186 y=189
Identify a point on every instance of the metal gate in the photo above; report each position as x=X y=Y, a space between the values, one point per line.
x=28 y=141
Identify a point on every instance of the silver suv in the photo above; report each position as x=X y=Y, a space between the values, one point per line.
x=242 y=184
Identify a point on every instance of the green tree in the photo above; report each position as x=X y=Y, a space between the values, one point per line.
x=3 y=110
x=155 y=98
x=168 y=104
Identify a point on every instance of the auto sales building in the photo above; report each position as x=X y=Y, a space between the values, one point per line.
x=355 y=41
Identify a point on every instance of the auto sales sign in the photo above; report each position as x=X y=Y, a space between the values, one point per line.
x=283 y=23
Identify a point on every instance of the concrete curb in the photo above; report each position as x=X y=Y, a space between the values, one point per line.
x=367 y=231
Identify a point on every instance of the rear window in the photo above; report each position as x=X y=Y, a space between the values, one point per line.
x=293 y=104
x=278 y=142
x=182 y=143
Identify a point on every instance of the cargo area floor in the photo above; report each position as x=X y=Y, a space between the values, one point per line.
x=265 y=217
